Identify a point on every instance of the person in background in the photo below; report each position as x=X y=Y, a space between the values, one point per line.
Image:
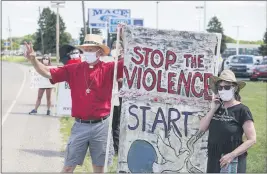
x=46 y=60
x=227 y=121
x=69 y=54
x=117 y=109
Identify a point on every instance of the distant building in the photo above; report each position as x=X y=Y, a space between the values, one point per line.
x=249 y=49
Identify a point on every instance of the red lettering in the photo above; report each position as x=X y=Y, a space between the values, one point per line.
x=206 y=86
x=187 y=56
x=168 y=60
x=159 y=88
x=186 y=83
x=139 y=74
x=193 y=89
x=193 y=61
x=171 y=83
x=152 y=86
x=200 y=61
x=138 y=62
x=153 y=63
x=147 y=50
x=129 y=81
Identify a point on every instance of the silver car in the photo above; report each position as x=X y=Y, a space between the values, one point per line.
x=242 y=65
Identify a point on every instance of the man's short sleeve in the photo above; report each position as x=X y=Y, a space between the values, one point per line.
x=245 y=115
x=60 y=74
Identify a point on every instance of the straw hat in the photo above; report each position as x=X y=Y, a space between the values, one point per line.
x=94 y=40
x=226 y=75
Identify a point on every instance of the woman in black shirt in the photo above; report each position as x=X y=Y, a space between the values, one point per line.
x=227 y=121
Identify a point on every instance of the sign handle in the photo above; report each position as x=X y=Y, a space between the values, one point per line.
x=114 y=93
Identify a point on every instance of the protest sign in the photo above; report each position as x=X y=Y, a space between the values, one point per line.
x=38 y=81
x=165 y=93
x=64 y=99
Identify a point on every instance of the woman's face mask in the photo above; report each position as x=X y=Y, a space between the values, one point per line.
x=226 y=93
x=90 y=57
x=45 y=61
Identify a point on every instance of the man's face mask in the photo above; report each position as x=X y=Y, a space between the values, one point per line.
x=90 y=57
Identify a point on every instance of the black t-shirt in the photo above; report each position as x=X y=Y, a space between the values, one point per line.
x=226 y=131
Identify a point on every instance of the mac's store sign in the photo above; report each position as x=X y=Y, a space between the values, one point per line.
x=99 y=18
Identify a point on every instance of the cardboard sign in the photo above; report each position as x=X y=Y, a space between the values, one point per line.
x=38 y=81
x=165 y=93
x=64 y=104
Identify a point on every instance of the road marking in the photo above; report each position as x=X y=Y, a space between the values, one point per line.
x=16 y=98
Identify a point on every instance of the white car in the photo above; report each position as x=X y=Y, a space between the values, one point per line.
x=242 y=65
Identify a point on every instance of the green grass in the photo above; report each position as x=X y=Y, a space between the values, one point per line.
x=19 y=59
x=66 y=124
x=253 y=95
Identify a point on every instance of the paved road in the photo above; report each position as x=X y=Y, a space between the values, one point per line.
x=29 y=143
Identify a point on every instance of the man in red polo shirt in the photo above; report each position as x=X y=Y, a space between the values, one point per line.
x=91 y=85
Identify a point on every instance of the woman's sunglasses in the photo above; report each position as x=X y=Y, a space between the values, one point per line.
x=226 y=87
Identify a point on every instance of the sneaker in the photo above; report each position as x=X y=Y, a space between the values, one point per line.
x=48 y=112
x=33 y=112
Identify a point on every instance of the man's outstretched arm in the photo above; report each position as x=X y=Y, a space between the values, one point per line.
x=41 y=68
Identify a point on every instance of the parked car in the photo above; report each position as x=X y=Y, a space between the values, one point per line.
x=242 y=65
x=260 y=71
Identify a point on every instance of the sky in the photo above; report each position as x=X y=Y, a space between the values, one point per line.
x=177 y=15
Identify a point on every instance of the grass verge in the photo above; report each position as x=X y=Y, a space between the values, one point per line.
x=19 y=59
x=253 y=95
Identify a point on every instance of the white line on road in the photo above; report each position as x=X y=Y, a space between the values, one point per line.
x=17 y=96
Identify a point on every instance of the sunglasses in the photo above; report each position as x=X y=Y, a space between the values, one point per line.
x=226 y=87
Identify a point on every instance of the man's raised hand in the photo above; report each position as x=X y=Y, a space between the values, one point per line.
x=29 y=53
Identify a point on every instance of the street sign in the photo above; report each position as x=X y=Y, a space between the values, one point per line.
x=99 y=17
x=113 y=23
x=7 y=44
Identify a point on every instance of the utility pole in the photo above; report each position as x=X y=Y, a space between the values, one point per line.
x=199 y=21
x=205 y=13
x=84 y=23
x=157 y=15
x=237 y=38
x=42 y=37
x=10 y=39
x=57 y=4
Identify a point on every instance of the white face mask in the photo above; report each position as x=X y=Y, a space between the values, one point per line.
x=90 y=57
x=227 y=95
x=113 y=53
x=45 y=61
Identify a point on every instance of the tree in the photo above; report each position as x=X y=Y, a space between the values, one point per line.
x=94 y=31
x=263 y=47
x=215 y=26
x=47 y=28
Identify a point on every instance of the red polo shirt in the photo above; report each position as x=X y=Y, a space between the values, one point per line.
x=97 y=103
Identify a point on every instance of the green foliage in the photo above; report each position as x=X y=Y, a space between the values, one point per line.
x=47 y=27
x=215 y=26
x=263 y=47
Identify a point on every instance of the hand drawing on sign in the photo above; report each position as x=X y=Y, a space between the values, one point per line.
x=176 y=153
